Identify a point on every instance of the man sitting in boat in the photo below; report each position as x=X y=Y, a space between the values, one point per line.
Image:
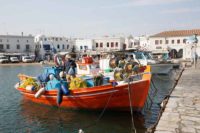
x=70 y=66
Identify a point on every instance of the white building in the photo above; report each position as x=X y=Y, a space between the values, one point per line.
x=83 y=45
x=131 y=42
x=140 y=42
x=175 y=43
x=17 y=44
x=109 y=43
x=101 y=44
x=144 y=43
x=47 y=45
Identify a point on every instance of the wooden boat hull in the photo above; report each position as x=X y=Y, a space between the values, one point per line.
x=96 y=98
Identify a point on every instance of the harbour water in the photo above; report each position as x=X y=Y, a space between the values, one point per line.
x=22 y=116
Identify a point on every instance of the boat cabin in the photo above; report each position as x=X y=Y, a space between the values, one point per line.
x=87 y=67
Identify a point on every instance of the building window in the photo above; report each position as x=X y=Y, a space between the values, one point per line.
x=18 y=46
x=172 y=41
x=17 y=40
x=130 y=45
x=56 y=39
x=7 y=40
x=184 y=40
x=86 y=47
x=156 y=42
x=63 y=46
x=45 y=39
x=160 y=41
x=66 y=40
x=7 y=46
x=0 y=40
x=124 y=46
x=101 y=44
x=136 y=43
x=81 y=47
x=178 y=41
x=27 y=46
x=58 y=46
x=166 y=41
x=107 y=44
x=1 y=46
x=116 y=44
x=60 y=39
x=26 y=40
x=97 y=44
x=112 y=44
x=67 y=46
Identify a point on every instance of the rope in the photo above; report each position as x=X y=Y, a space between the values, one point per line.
x=148 y=108
x=131 y=109
x=156 y=89
x=166 y=99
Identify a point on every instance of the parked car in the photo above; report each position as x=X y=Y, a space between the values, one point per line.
x=32 y=57
x=3 y=59
x=14 y=59
x=27 y=59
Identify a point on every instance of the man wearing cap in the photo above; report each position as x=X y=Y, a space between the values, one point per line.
x=70 y=65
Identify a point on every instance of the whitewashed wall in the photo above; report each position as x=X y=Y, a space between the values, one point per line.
x=80 y=44
x=10 y=43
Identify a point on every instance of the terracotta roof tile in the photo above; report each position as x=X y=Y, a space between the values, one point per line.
x=176 y=33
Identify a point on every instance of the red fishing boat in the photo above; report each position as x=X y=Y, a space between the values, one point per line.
x=113 y=97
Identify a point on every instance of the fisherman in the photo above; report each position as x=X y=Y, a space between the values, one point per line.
x=70 y=66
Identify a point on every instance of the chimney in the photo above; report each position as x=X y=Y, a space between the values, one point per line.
x=22 y=33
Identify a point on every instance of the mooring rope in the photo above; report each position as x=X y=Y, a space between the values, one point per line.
x=131 y=109
x=152 y=128
x=154 y=86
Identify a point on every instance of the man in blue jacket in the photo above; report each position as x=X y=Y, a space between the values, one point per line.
x=70 y=65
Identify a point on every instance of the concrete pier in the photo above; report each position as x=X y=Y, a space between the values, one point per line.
x=182 y=112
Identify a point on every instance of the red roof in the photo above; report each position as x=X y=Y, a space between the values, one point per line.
x=177 y=33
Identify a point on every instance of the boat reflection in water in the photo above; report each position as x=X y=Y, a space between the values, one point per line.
x=42 y=118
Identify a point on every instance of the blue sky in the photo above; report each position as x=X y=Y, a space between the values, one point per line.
x=88 y=18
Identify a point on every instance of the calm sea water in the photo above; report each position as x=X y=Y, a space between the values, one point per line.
x=21 y=116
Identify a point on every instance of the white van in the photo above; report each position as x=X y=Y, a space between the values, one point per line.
x=3 y=59
x=14 y=59
x=27 y=59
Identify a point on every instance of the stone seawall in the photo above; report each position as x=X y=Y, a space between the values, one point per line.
x=182 y=112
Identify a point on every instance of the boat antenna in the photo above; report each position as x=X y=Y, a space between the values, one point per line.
x=131 y=109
